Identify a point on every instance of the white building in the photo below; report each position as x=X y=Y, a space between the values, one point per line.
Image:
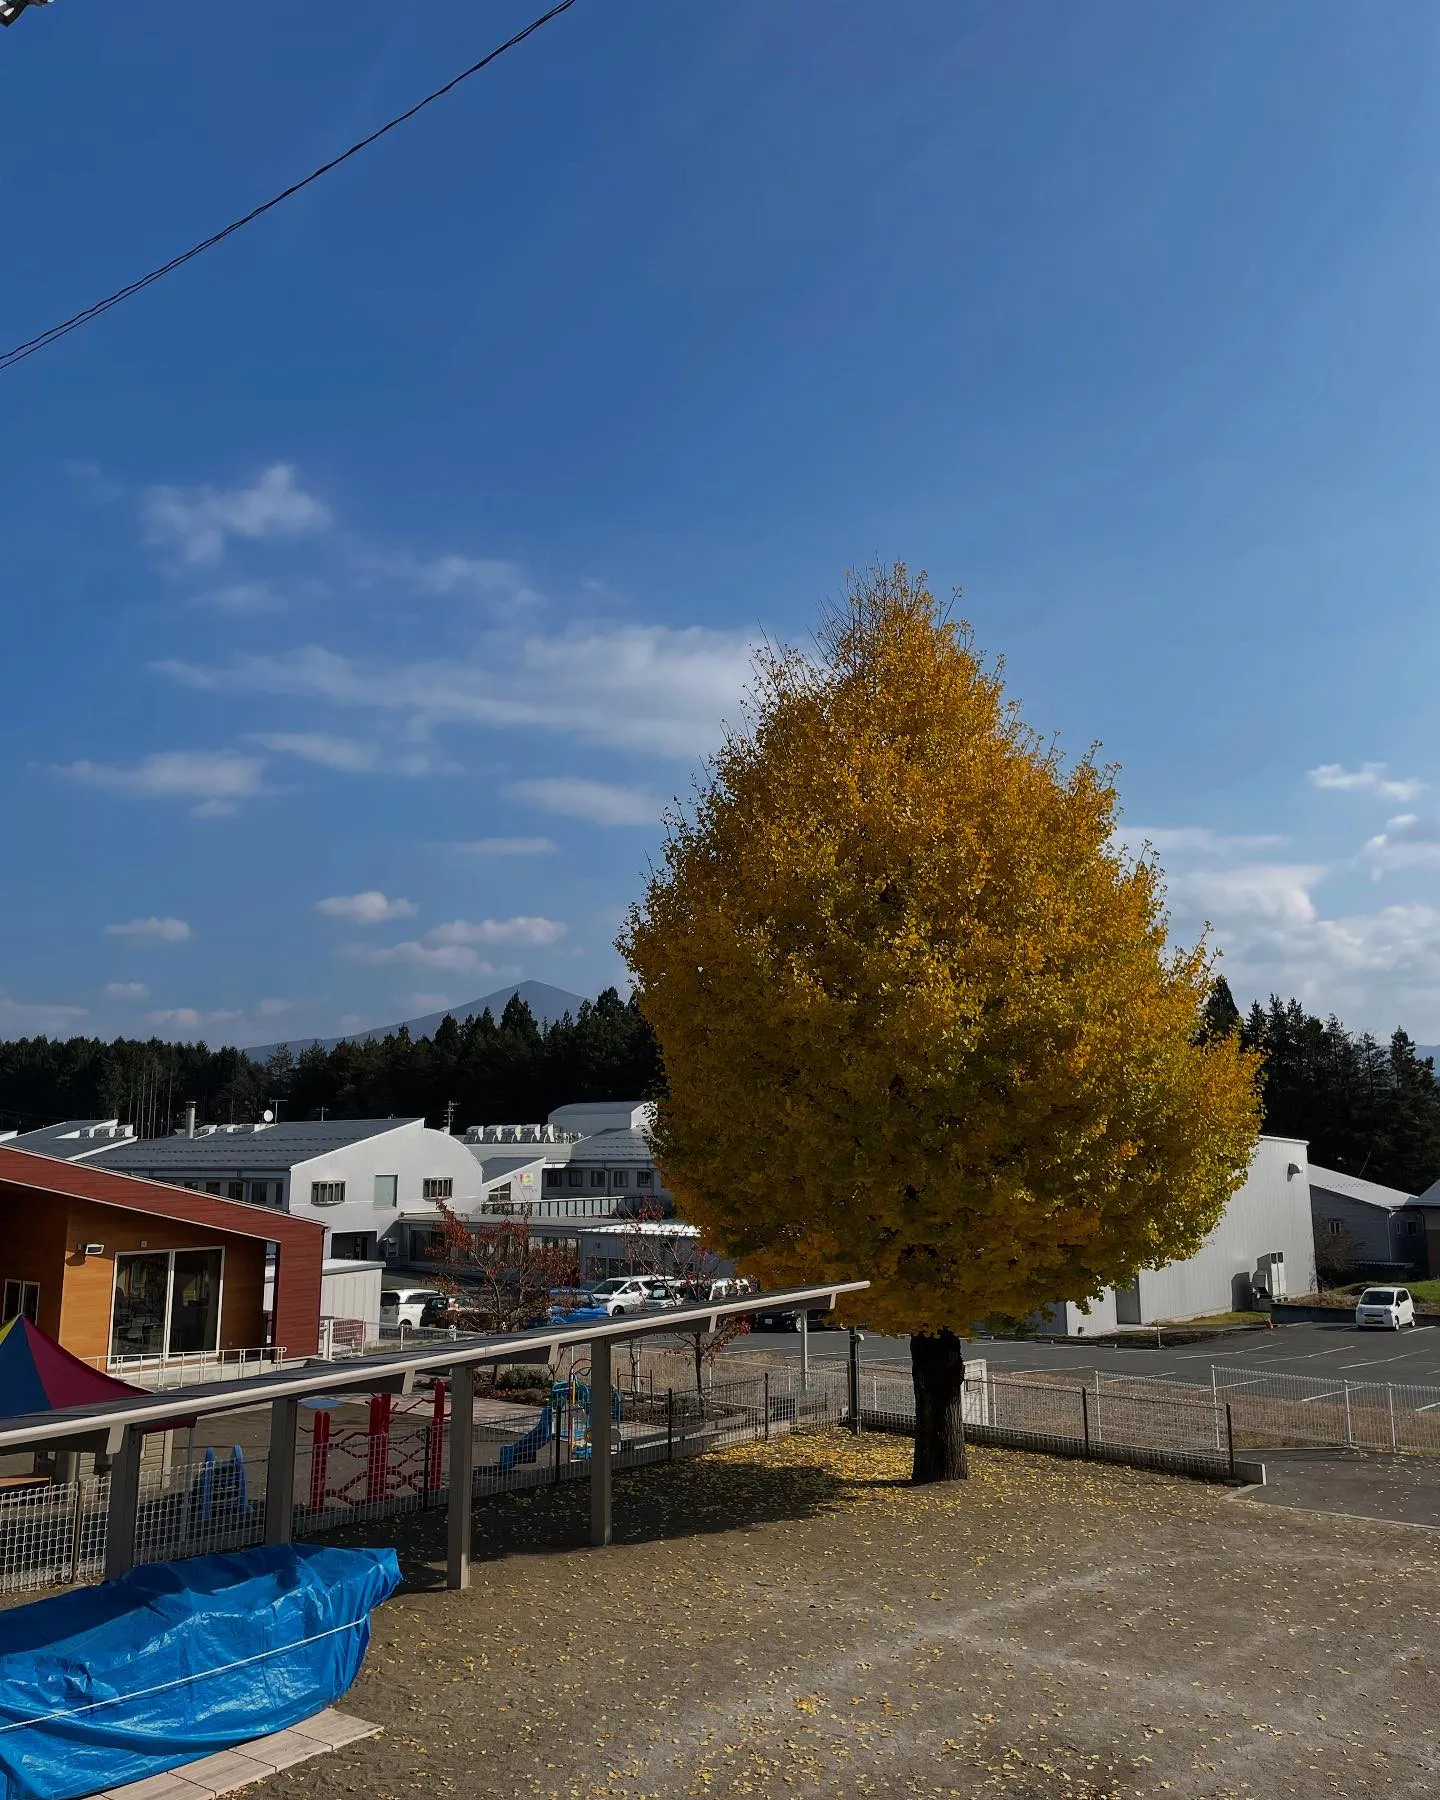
x=1264 y=1243
x=358 y=1177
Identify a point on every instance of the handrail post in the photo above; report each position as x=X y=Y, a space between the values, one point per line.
x=462 y=1473
x=1230 y=1437
x=124 y=1513
x=280 y=1472
x=1085 y=1416
x=767 y=1406
x=854 y=1380
x=600 y=1428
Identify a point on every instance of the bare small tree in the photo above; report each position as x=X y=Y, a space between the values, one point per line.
x=1337 y=1256
x=680 y=1256
x=499 y=1277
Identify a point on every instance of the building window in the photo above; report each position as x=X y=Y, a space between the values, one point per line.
x=597 y=1178
x=234 y=1190
x=644 y=1178
x=438 y=1187
x=1412 y=1228
x=352 y=1246
x=212 y=1187
x=259 y=1194
x=387 y=1190
x=619 y=1178
x=22 y=1301
x=575 y=1177
x=327 y=1193
x=167 y=1303
x=1334 y=1227
x=501 y=1195
x=554 y=1178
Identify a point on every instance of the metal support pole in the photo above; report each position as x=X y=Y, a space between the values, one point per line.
x=1230 y=1437
x=1085 y=1416
x=462 y=1471
x=557 y=1420
x=600 y=1471
x=124 y=1506
x=804 y=1349
x=670 y=1424
x=1390 y=1395
x=854 y=1379
x=280 y=1472
x=1349 y=1426
x=767 y=1406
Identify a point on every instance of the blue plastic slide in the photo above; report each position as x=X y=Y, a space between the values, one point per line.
x=175 y=1660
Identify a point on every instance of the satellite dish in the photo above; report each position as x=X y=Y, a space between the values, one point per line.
x=268 y=1116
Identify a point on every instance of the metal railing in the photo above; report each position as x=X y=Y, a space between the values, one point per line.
x=167 y=1370
x=54 y=1534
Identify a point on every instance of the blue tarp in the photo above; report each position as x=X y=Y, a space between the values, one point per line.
x=176 y=1660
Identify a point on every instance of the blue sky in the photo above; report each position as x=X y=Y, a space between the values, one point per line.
x=370 y=583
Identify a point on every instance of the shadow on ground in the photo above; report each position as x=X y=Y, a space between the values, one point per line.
x=651 y=1505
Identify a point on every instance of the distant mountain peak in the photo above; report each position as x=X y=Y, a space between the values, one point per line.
x=546 y=1002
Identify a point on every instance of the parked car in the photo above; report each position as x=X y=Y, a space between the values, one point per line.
x=1384 y=1308
x=406 y=1306
x=788 y=1319
x=632 y=1293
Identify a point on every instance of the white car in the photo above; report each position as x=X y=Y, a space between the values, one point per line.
x=405 y=1306
x=632 y=1293
x=1386 y=1308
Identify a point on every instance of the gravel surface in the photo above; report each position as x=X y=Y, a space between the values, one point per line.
x=793 y=1619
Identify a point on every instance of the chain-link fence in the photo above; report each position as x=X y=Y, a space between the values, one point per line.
x=355 y=1464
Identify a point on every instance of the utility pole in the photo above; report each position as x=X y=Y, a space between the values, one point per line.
x=450 y=1106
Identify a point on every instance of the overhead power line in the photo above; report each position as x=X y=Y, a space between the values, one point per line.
x=76 y=320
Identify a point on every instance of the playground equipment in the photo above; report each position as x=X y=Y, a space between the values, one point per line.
x=567 y=1415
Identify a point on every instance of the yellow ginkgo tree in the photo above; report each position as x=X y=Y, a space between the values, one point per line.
x=919 y=1018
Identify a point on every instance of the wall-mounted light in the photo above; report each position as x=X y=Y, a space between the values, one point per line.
x=92 y=1250
x=1293 y=1171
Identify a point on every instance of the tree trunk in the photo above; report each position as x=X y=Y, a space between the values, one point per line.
x=937 y=1367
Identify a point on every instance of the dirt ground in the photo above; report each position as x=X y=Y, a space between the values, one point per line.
x=792 y=1619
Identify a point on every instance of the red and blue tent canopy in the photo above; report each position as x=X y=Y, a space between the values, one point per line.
x=37 y=1375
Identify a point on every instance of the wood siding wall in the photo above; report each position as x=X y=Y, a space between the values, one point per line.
x=32 y=1248
x=90 y=1280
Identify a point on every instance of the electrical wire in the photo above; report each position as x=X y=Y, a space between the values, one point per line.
x=76 y=320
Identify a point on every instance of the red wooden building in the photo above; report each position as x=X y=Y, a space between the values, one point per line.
x=116 y=1267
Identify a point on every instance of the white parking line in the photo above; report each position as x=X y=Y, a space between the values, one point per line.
x=1372 y=1362
x=1329 y=1394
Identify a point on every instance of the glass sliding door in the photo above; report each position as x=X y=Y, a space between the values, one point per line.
x=137 y=1323
x=167 y=1302
x=195 y=1301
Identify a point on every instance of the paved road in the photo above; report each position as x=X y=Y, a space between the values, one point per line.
x=1408 y=1358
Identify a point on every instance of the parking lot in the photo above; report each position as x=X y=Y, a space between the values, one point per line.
x=1408 y=1358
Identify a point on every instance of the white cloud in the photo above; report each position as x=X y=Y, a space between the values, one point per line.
x=485 y=577
x=535 y=932
x=601 y=802
x=41 y=1017
x=349 y=1021
x=426 y=1003
x=454 y=946
x=1369 y=778
x=646 y=688
x=507 y=846
x=197 y=523
x=216 y=778
x=1407 y=842
x=242 y=597
x=188 y=1017
x=126 y=990
x=151 y=930
x=370 y=908
x=1271 y=891
x=273 y=1007
x=459 y=959
x=340 y=753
